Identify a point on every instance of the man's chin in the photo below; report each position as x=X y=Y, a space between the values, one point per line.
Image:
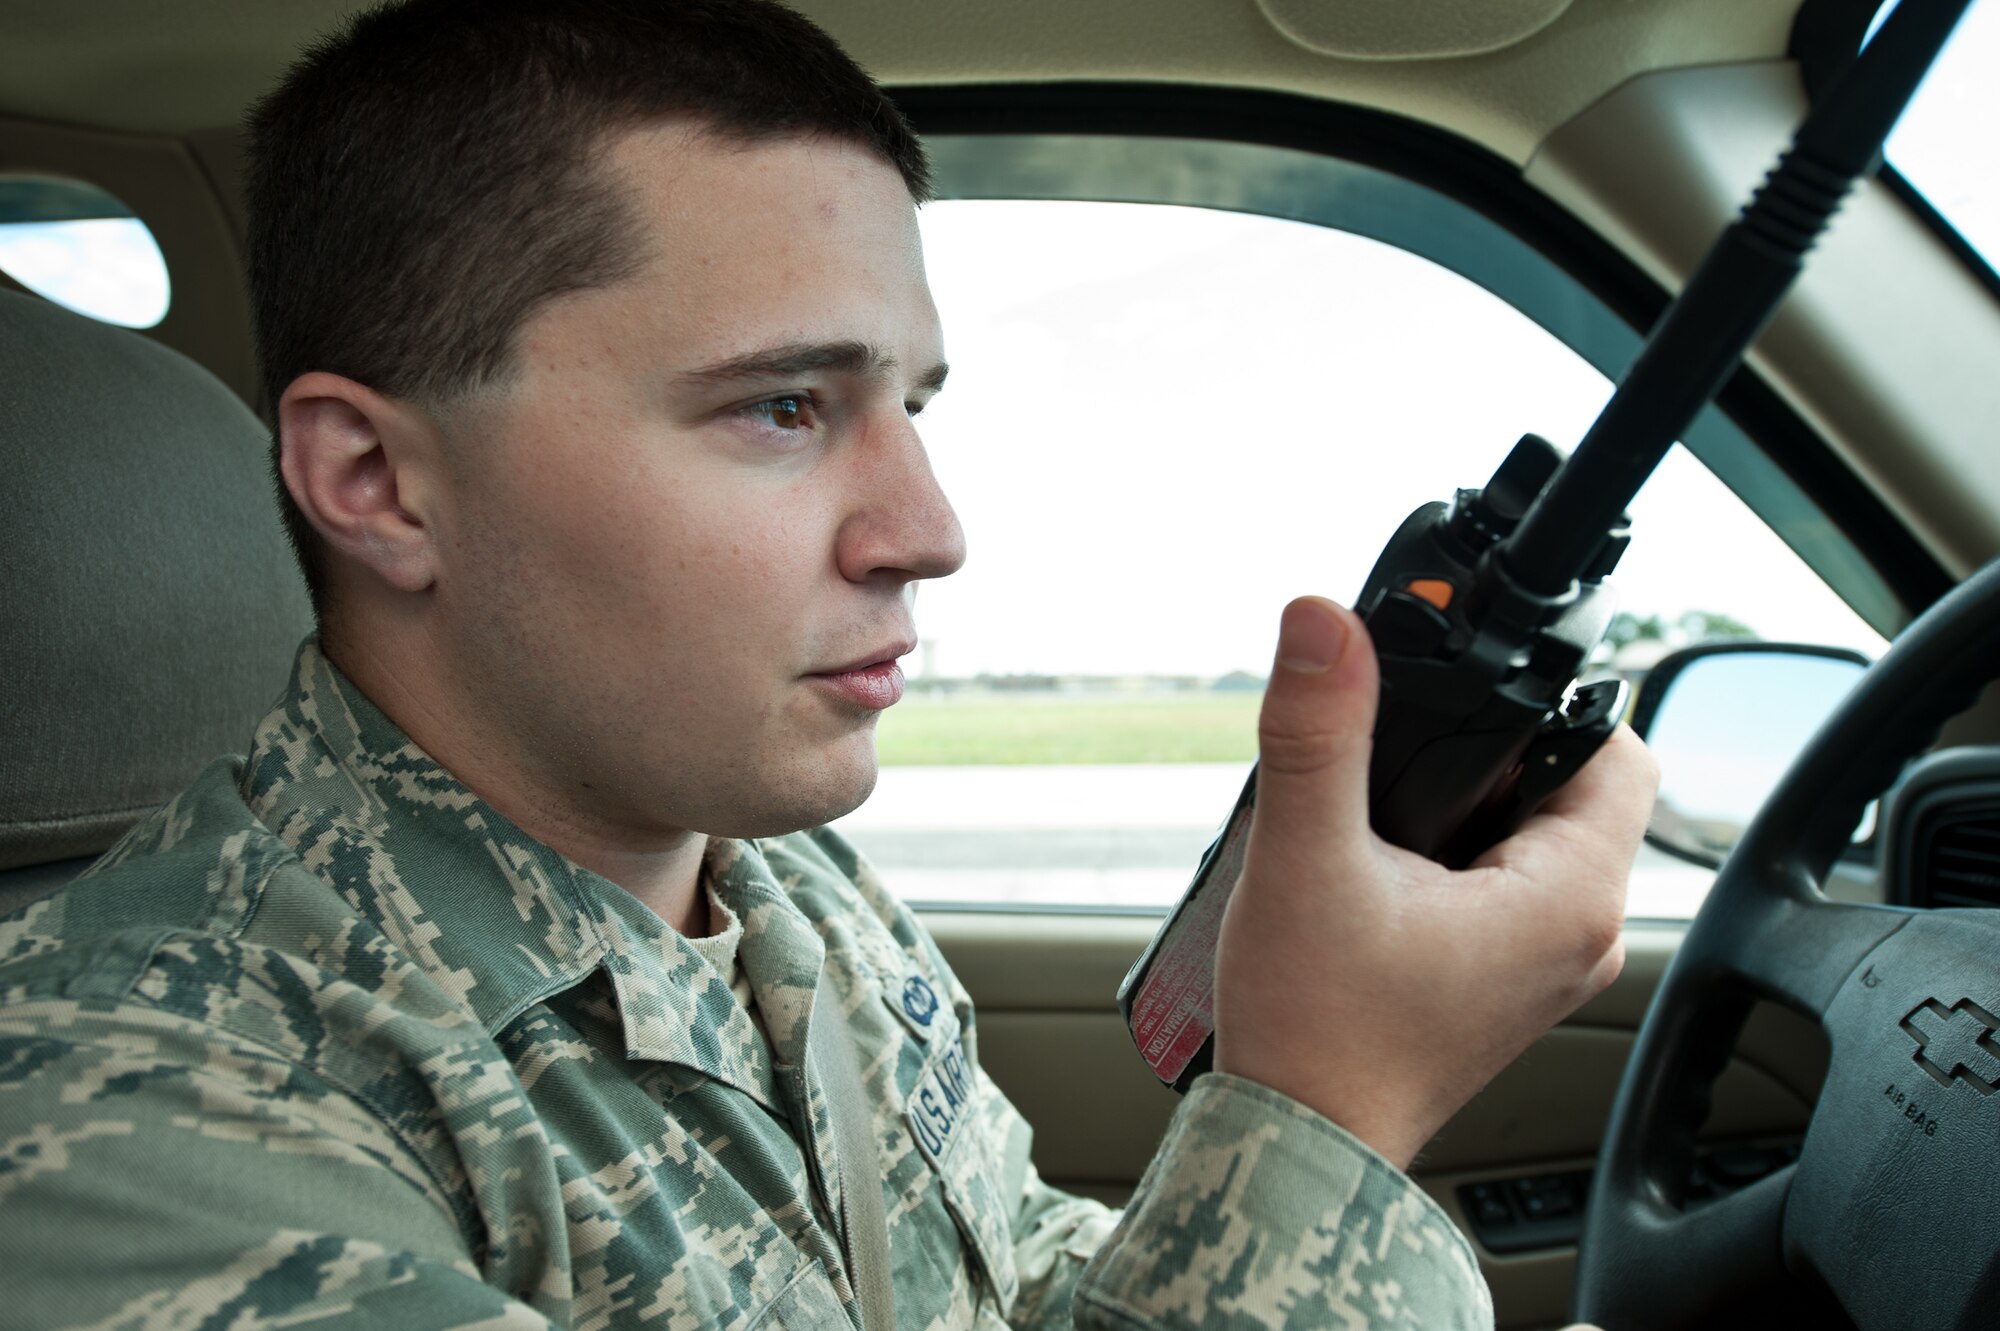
x=817 y=795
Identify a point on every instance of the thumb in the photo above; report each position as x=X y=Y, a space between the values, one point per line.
x=1316 y=730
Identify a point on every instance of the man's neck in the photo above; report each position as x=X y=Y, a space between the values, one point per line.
x=664 y=874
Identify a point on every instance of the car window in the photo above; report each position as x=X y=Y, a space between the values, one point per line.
x=1942 y=145
x=1163 y=423
x=81 y=248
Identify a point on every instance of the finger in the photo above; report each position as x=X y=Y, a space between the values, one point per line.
x=1315 y=731
x=1598 y=817
x=1608 y=804
x=1623 y=766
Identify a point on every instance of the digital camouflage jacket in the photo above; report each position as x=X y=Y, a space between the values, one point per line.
x=327 y=1042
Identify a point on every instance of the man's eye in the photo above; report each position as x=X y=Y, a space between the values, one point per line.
x=790 y=412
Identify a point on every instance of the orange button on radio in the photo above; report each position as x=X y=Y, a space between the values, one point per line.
x=1435 y=590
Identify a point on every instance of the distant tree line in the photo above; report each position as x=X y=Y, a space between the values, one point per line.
x=1689 y=627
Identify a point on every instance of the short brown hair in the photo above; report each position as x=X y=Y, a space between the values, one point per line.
x=426 y=178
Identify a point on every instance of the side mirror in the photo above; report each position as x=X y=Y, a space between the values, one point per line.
x=1725 y=720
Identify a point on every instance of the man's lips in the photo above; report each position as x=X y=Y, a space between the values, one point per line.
x=884 y=655
x=874 y=681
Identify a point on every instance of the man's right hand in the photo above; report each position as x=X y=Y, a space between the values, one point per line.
x=1376 y=986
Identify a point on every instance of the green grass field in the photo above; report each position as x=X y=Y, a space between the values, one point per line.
x=1068 y=728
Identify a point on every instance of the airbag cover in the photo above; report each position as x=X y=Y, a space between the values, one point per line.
x=1896 y=1205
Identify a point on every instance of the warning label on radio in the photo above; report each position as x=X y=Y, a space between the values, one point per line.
x=1173 y=1010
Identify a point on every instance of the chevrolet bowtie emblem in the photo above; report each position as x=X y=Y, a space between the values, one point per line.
x=1955 y=1044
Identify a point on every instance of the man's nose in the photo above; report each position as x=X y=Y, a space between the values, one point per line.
x=901 y=526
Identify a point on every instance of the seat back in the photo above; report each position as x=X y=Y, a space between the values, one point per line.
x=149 y=606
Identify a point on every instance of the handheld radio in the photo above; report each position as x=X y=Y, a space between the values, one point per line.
x=1483 y=611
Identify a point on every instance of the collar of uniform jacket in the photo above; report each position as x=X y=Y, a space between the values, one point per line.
x=501 y=921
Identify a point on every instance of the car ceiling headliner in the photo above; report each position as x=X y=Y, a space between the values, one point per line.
x=145 y=67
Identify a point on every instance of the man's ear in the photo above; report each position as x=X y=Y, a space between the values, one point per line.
x=360 y=467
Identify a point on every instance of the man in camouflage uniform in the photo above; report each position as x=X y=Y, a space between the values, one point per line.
x=480 y=993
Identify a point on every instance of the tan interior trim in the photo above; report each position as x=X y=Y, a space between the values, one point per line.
x=136 y=65
x=1052 y=1025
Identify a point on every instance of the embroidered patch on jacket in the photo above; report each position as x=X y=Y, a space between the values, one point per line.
x=919 y=1000
x=940 y=1103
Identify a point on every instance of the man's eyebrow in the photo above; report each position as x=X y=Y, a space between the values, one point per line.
x=783 y=362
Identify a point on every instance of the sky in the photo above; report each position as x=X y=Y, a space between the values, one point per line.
x=1164 y=423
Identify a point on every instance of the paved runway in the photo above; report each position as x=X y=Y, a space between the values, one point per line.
x=1095 y=836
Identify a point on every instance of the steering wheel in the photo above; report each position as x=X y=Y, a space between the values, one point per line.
x=1893 y=1207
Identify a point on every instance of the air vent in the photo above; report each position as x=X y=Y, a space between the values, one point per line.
x=1941 y=831
x=1957 y=860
